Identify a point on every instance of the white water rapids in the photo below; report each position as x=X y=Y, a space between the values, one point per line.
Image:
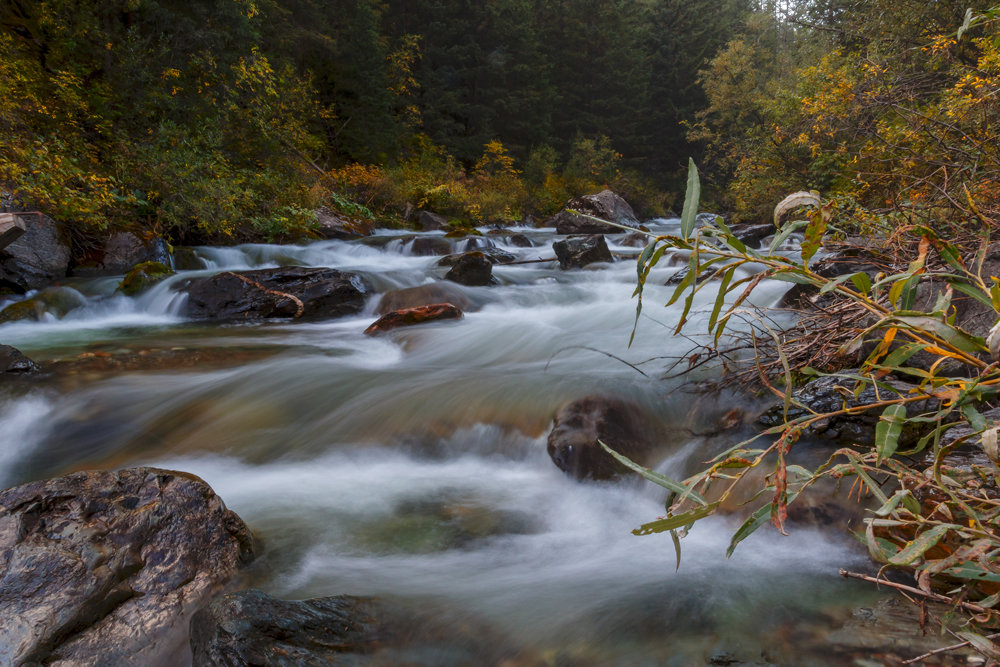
x=413 y=465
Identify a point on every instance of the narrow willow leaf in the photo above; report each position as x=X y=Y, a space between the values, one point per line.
x=890 y=507
x=888 y=430
x=916 y=548
x=655 y=477
x=785 y=232
x=720 y=298
x=839 y=280
x=677 y=521
x=942 y=330
x=862 y=282
x=901 y=354
x=788 y=276
x=689 y=214
x=677 y=547
x=976 y=420
x=750 y=526
x=881 y=550
x=972 y=571
x=981 y=644
x=815 y=230
x=974 y=292
x=950 y=254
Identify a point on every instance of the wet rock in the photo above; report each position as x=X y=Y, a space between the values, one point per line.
x=425 y=246
x=126 y=249
x=424 y=295
x=751 y=234
x=521 y=241
x=54 y=301
x=411 y=316
x=605 y=205
x=573 y=442
x=14 y=362
x=842 y=259
x=186 y=259
x=108 y=567
x=579 y=251
x=478 y=243
x=38 y=257
x=830 y=394
x=143 y=276
x=264 y=293
x=333 y=225
x=636 y=240
x=252 y=628
x=429 y=222
x=473 y=269
x=495 y=255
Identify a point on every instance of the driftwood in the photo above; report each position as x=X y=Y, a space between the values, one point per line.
x=11 y=229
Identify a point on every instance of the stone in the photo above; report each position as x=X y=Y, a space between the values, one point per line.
x=841 y=259
x=573 y=442
x=186 y=259
x=751 y=234
x=38 y=257
x=143 y=276
x=636 y=240
x=521 y=241
x=426 y=246
x=252 y=628
x=495 y=255
x=108 y=567
x=284 y=292
x=424 y=295
x=13 y=361
x=429 y=222
x=605 y=205
x=579 y=251
x=473 y=269
x=478 y=243
x=54 y=301
x=126 y=249
x=410 y=316
x=333 y=225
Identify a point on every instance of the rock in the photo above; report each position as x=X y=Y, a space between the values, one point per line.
x=55 y=301
x=424 y=246
x=429 y=222
x=521 y=241
x=473 y=269
x=605 y=205
x=252 y=628
x=573 y=442
x=424 y=295
x=752 y=233
x=186 y=259
x=126 y=249
x=636 y=240
x=478 y=243
x=830 y=394
x=411 y=316
x=842 y=259
x=495 y=255
x=108 y=567
x=14 y=362
x=143 y=276
x=38 y=257
x=579 y=251
x=285 y=292
x=333 y=225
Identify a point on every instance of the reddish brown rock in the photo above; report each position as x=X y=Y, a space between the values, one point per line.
x=410 y=316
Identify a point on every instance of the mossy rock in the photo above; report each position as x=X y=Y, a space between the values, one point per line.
x=55 y=301
x=143 y=276
x=186 y=259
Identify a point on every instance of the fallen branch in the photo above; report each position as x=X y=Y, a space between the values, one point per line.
x=916 y=591
x=945 y=649
x=299 y=306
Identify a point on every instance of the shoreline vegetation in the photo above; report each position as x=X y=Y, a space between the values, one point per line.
x=241 y=120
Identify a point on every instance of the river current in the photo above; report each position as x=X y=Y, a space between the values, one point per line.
x=412 y=465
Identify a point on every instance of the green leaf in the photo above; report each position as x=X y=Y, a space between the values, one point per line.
x=974 y=292
x=943 y=330
x=750 y=526
x=972 y=571
x=785 y=232
x=916 y=548
x=888 y=430
x=720 y=298
x=676 y=521
x=815 y=230
x=975 y=419
x=689 y=215
x=862 y=282
x=677 y=547
x=655 y=477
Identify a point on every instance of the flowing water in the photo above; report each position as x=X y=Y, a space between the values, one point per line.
x=412 y=465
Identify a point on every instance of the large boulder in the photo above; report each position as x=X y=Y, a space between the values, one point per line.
x=605 y=205
x=625 y=427
x=126 y=249
x=37 y=258
x=54 y=301
x=473 y=269
x=108 y=567
x=333 y=225
x=578 y=251
x=430 y=222
x=427 y=246
x=424 y=295
x=13 y=361
x=143 y=276
x=410 y=316
x=284 y=292
x=252 y=628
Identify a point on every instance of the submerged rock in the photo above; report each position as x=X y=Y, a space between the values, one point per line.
x=252 y=628
x=38 y=257
x=424 y=295
x=410 y=316
x=605 y=205
x=13 y=361
x=143 y=276
x=573 y=442
x=473 y=269
x=108 y=567
x=579 y=251
x=54 y=301
x=285 y=292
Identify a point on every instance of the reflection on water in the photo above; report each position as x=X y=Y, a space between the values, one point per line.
x=413 y=465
